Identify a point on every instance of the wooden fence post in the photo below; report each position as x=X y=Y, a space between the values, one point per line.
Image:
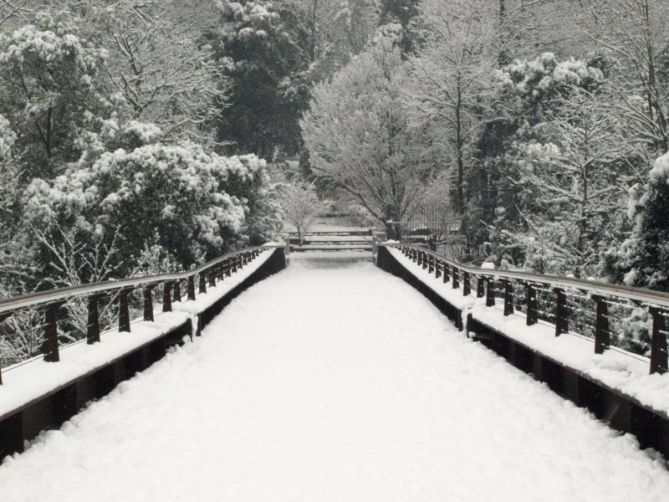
x=456 y=278
x=490 y=292
x=3 y=317
x=123 y=311
x=561 y=314
x=177 y=291
x=93 y=325
x=167 y=296
x=50 y=344
x=203 y=283
x=466 y=284
x=658 y=347
x=602 y=338
x=508 y=298
x=480 y=287
x=446 y=272
x=532 y=314
x=191 y=287
x=148 y=302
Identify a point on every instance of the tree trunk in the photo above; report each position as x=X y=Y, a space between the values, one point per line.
x=459 y=142
x=392 y=224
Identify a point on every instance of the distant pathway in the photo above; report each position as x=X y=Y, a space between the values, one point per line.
x=333 y=382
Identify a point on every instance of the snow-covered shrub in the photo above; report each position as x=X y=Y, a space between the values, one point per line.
x=190 y=202
x=643 y=259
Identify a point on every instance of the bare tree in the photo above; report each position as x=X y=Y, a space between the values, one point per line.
x=636 y=34
x=449 y=75
x=359 y=140
x=300 y=205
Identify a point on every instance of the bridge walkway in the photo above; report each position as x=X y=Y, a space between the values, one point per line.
x=333 y=381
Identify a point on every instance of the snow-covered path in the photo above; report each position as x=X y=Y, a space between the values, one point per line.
x=333 y=382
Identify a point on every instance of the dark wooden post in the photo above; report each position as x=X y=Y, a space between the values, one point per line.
x=446 y=272
x=228 y=272
x=480 y=287
x=177 y=291
x=50 y=344
x=532 y=314
x=234 y=264
x=93 y=326
x=3 y=317
x=203 y=283
x=508 y=298
x=212 y=277
x=425 y=259
x=167 y=296
x=602 y=339
x=490 y=292
x=658 y=344
x=148 y=302
x=191 y=287
x=466 y=284
x=456 y=278
x=123 y=311
x=431 y=264
x=437 y=269
x=561 y=314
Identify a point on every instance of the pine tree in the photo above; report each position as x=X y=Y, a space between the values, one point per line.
x=264 y=57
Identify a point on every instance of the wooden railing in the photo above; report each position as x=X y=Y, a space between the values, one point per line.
x=172 y=287
x=591 y=306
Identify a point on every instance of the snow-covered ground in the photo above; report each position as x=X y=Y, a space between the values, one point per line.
x=27 y=381
x=617 y=369
x=333 y=383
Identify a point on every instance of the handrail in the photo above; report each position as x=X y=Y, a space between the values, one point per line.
x=52 y=301
x=602 y=294
x=649 y=296
x=55 y=295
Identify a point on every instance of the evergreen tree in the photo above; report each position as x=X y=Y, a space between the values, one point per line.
x=402 y=12
x=264 y=56
x=643 y=259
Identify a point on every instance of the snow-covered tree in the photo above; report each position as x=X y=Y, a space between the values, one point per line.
x=51 y=92
x=358 y=136
x=636 y=34
x=300 y=205
x=448 y=77
x=15 y=11
x=155 y=62
x=571 y=184
x=643 y=259
x=402 y=12
x=263 y=59
x=524 y=95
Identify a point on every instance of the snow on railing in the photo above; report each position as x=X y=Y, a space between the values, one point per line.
x=590 y=305
x=52 y=302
